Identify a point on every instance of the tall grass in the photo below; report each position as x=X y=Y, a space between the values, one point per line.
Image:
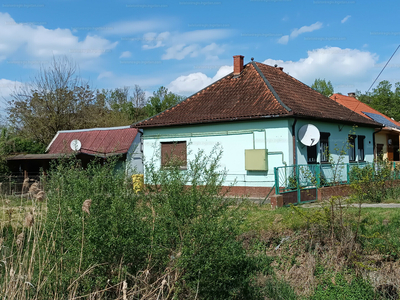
x=93 y=237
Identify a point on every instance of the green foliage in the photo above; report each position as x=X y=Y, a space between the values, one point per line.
x=278 y=290
x=162 y=100
x=172 y=239
x=109 y=241
x=56 y=99
x=336 y=287
x=323 y=87
x=374 y=182
x=198 y=227
x=384 y=99
x=125 y=106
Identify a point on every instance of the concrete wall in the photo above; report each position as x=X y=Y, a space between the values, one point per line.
x=275 y=135
x=337 y=141
x=234 y=138
x=134 y=157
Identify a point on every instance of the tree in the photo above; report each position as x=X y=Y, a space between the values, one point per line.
x=384 y=99
x=323 y=87
x=125 y=107
x=56 y=99
x=161 y=100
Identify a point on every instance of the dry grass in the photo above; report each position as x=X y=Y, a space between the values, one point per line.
x=86 y=206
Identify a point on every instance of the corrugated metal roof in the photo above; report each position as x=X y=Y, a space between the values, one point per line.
x=36 y=156
x=259 y=91
x=95 y=141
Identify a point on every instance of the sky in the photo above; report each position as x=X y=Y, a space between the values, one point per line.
x=186 y=45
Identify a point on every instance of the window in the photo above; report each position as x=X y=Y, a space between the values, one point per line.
x=360 y=148
x=324 y=146
x=312 y=154
x=352 y=147
x=379 y=151
x=173 y=153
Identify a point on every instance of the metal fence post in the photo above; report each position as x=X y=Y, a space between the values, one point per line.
x=348 y=173
x=276 y=173
x=298 y=184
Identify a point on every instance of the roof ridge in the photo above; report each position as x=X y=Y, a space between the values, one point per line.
x=270 y=87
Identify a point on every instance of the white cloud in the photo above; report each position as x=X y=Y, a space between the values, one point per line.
x=196 y=81
x=7 y=87
x=125 y=54
x=345 y=19
x=134 y=27
x=296 y=32
x=192 y=43
x=180 y=51
x=155 y=40
x=284 y=40
x=105 y=74
x=340 y=66
x=42 y=43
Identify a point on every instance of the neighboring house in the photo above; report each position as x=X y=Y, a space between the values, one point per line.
x=255 y=114
x=93 y=143
x=386 y=142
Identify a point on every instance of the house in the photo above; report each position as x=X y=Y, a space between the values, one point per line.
x=386 y=142
x=255 y=114
x=86 y=144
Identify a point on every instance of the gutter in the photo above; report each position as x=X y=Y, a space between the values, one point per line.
x=373 y=142
x=294 y=142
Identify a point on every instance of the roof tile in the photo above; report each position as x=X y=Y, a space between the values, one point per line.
x=259 y=91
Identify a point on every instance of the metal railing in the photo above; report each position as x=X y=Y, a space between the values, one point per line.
x=289 y=178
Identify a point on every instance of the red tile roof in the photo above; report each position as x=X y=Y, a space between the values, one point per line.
x=358 y=106
x=259 y=91
x=96 y=141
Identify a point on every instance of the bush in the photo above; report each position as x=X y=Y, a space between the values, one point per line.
x=337 y=287
x=105 y=239
x=374 y=182
x=97 y=238
x=196 y=230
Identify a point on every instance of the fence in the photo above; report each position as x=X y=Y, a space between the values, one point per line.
x=300 y=183
x=12 y=184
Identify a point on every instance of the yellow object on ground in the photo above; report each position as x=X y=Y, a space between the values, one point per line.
x=138 y=182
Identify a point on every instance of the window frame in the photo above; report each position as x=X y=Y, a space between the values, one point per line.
x=361 y=150
x=352 y=147
x=324 y=147
x=312 y=154
x=170 y=150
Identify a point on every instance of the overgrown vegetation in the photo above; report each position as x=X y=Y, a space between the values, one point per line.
x=93 y=236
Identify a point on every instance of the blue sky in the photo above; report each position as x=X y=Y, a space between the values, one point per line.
x=186 y=45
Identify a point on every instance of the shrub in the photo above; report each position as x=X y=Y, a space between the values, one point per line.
x=337 y=287
x=95 y=243
x=196 y=230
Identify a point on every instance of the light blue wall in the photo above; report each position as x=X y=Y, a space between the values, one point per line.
x=134 y=157
x=236 y=137
x=337 y=141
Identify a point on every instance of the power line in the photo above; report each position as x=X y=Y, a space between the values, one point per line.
x=383 y=68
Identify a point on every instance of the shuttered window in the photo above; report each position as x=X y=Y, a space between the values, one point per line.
x=173 y=153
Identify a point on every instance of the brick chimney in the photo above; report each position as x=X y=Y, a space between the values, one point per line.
x=237 y=64
x=352 y=94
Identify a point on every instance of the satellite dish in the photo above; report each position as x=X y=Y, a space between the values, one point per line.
x=76 y=145
x=309 y=135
